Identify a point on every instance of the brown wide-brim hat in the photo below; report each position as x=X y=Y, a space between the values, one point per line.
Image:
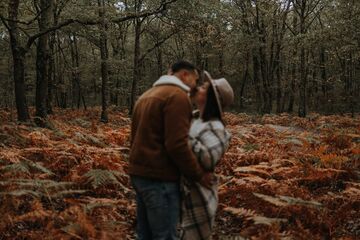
x=223 y=91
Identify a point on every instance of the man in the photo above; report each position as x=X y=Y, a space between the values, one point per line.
x=160 y=152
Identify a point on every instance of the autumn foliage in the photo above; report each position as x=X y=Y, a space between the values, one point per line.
x=283 y=178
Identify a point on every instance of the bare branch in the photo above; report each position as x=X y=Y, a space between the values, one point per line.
x=291 y=30
x=30 y=21
x=19 y=21
x=67 y=22
x=296 y=6
x=317 y=14
x=144 y=14
x=159 y=43
x=312 y=9
x=60 y=7
x=91 y=38
x=24 y=31
x=3 y=20
x=51 y=29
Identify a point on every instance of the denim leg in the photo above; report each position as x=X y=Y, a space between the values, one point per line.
x=162 y=204
x=142 y=227
x=164 y=211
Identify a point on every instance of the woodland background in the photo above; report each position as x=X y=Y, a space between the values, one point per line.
x=71 y=70
x=290 y=56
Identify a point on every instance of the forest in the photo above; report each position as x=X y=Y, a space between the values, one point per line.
x=72 y=70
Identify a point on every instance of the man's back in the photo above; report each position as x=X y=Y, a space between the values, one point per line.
x=159 y=138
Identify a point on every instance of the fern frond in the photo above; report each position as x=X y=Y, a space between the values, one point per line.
x=22 y=192
x=120 y=175
x=39 y=214
x=66 y=193
x=89 y=207
x=41 y=188
x=16 y=167
x=250 y=215
x=49 y=184
x=38 y=167
x=25 y=166
x=99 y=177
x=268 y=221
x=282 y=201
x=72 y=229
x=59 y=185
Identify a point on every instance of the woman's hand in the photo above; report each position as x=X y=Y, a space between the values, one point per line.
x=207 y=180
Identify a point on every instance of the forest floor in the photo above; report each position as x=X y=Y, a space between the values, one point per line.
x=283 y=177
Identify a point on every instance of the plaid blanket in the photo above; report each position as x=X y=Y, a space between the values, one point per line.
x=209 y=141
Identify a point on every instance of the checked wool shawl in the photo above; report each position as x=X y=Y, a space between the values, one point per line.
x=209 y=141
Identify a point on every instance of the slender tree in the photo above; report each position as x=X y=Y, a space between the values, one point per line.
x=42 y=62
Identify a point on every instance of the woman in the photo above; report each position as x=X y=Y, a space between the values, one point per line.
x=209 y=140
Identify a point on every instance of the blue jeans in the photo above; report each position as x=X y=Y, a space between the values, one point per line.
x=158 y=209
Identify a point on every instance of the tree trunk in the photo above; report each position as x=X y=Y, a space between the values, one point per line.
x=323 y=72
x=94 y=77
x=279 y=95
x=77 y=90
x=74 y=85
x=267 y=95
x=264 y=63
x=278 y=66
x=159 y=56
x=303 y=85
x=292 y=86
x=52 y=65
x=302 y=111
x=18 y=54
x=257 y=84
x=51 y=75
x=137 y=71
x=61 y=81
x=42 y=65
x=221 y=62
x=104 y=62
x=290 y=108
x=243 y=82
x=350 y=85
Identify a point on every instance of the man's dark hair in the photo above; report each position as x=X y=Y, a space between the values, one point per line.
x=182 y=65
x=211 y=110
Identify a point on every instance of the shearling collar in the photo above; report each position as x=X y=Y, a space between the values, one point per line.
x=171 y=80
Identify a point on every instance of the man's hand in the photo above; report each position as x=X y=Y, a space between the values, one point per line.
x=207 y=180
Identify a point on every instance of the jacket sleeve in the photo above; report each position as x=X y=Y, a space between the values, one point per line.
x=210 y=146
x=177 y=116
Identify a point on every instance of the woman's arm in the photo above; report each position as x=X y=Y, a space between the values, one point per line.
x=210 y=145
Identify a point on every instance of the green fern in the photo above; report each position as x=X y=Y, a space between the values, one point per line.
x=92 y=206
x=40 y=188
x=22 y=192
x=26 y=166
x=99 y=177
x=48 y=184
x=64 y=193
x=249 y=147
x=38 y=167
x=16 y=168
x=72 y=229
x=58 y=185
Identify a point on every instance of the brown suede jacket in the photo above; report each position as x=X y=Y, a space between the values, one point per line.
x=159 y=133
